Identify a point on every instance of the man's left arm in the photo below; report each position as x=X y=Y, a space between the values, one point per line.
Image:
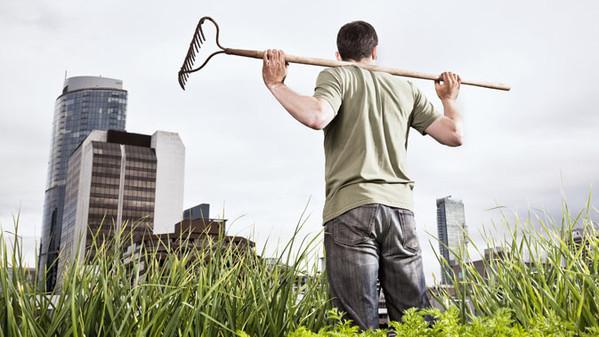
x=447 y=130
x=313 y=112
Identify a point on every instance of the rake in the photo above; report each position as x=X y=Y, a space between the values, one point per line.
x=199 y=38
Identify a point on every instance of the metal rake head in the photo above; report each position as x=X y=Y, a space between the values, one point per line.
x=194 y=47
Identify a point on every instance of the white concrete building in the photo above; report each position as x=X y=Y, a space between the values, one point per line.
x=120 y=179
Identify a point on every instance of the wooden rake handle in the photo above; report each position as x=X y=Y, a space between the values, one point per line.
x=333 y=63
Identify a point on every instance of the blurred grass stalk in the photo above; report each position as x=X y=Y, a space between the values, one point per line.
x=539 y=272
x=213 y=291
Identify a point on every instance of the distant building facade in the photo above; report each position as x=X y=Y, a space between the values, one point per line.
x=23 y=274
x=484 y=267
x=117 y=178
x=582 y=239
x=451 y=231
x=196 y=231
x=86 y=103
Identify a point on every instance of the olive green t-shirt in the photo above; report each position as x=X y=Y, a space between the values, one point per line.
x=365 y=144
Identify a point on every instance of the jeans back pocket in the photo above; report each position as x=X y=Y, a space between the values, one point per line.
x=409 y=237
x=354 y=226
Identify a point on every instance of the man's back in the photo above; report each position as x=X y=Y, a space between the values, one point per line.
x=370 y=229
x=365 y=144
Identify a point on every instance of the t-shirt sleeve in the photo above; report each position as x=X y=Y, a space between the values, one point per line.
x=329 y=88
x=423 y=112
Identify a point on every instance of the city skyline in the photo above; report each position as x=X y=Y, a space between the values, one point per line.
x=523 y=149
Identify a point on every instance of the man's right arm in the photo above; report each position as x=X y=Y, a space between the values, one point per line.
x=313 y=112
x=447 y=129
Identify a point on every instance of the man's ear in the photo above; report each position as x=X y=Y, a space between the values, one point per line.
x=338 y=56
x=374 y=51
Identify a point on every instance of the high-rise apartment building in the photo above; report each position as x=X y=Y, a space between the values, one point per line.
x=451 y=230
x=85 y=104
x=117 y=178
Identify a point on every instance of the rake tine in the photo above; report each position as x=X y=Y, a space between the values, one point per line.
x=196 y=44
x=181 y=82
x=202 y=34
x=197 y=32
x=188 y=60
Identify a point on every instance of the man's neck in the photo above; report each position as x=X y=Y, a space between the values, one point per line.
x=364 y=61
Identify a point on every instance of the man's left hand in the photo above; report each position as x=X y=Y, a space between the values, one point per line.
x=274 y=67
x=448 y=86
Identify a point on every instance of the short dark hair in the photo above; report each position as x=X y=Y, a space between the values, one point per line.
x=356 y=40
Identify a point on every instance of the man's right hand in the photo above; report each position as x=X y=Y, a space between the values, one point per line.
x=448 y=86
x=274 y=67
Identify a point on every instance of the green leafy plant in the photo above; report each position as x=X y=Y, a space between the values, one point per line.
x=541 y=273
x=448 y=324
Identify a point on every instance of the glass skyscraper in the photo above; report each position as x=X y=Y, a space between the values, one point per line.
x=86 y=103
x=451 y=230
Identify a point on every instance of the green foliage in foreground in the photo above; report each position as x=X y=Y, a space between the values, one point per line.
x=215 y=290
x=544 y=285
x=541 y=270
x=447 y=324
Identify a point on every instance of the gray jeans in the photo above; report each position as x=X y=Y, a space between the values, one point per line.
x=369 y=243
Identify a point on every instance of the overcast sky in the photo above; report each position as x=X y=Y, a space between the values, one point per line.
x=524 y=149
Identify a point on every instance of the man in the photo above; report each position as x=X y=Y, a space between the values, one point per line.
x=370 y=231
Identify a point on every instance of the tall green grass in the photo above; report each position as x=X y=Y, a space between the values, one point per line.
x=215 y=291
x=541 y=272
x=542 y=283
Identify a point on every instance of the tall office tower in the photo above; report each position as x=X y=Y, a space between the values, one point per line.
x=120 y=179
x=451 y=229
x=85 y=104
